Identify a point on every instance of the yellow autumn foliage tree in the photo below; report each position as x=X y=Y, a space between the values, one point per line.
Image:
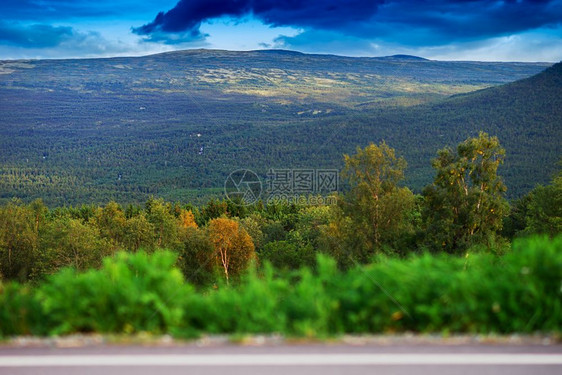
x=233 y=246
x=187 y=219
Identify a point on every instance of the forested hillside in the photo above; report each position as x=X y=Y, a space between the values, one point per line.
x=175 y=125
x=526 y=115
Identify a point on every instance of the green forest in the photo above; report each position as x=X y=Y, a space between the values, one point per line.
x=175 y=125
x=458 y=257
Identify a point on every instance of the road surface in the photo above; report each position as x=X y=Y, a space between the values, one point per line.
x=285 y=359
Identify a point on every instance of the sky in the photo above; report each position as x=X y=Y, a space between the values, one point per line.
x=484 y=30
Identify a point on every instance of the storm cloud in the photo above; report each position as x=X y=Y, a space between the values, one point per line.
x=188 y=15
x=416 y=23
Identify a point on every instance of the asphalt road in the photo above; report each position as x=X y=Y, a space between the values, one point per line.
x=285 y=359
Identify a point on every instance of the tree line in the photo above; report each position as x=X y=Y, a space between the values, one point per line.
x=462 y=210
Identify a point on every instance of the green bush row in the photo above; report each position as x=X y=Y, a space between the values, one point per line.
x=518 y=292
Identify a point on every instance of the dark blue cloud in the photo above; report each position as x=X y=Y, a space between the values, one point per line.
x=428 y=22
x=439 y=22
x=34 y=36
x=187 y=15
x=41 y=10
x=51 y=9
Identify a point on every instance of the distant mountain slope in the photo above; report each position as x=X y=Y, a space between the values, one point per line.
x=529 y=113
x=176 y=124
x=277 y=76
x=526 y=115
x=541 y=88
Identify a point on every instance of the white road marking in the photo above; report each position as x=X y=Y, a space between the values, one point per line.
x=279 y=360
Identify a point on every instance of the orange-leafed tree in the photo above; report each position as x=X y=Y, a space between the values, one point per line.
x=234 y=248
x=186 y=219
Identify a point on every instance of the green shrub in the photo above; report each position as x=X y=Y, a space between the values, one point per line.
x=20 y=311
x=519 y=292
x=131 y=293
x=479 y=292
x=250 y=307
x=311 y=306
